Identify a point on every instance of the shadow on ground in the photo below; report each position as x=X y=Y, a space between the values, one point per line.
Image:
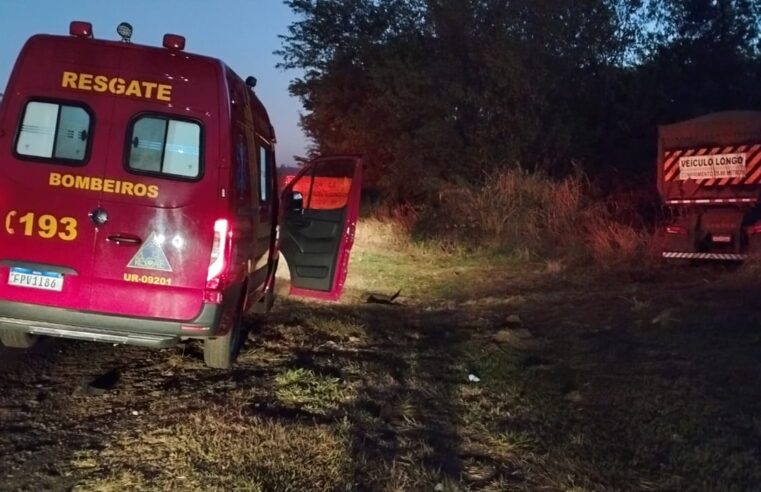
x=570 y=383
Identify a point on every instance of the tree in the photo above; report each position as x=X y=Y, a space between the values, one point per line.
x=435 y=91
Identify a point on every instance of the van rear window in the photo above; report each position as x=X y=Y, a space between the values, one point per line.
x=165 y=146
x=54 y=131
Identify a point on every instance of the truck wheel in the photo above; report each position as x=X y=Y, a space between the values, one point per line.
x=17 y=339
x=221 y=352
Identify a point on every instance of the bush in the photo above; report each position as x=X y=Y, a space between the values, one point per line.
x=519 y=213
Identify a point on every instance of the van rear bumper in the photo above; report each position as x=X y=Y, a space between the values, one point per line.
x=81 y=325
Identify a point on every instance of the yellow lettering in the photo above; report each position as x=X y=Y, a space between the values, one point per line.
x=164 y=93
x=82 y=183
x=133 y=89
x=101 y=83
x=85 y=81
x=146 y=279
x=149 y=86
x=47 y=226
x=69 y=80
x=106 y=185
x=70 y=224
x=116 y=86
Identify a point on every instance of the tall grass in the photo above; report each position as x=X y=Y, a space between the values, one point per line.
x=529 y=215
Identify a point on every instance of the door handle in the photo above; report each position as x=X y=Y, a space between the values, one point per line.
x=124 y=239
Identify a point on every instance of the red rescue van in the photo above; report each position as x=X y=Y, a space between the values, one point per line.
x=138 y=199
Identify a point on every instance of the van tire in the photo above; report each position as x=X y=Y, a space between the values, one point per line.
x=17 y=339
x=221 y=352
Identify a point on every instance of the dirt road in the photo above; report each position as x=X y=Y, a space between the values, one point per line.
x=539 y=381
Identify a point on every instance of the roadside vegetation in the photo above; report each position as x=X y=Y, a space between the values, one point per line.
x=532 y=217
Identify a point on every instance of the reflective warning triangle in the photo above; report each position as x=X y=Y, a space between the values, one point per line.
x=150 y=256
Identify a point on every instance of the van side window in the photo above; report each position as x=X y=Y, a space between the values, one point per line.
x=264 y=171
x=54 y=131
x=165 y=146
x=242 y=180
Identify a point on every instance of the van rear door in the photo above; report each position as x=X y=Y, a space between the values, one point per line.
x=152 y=253
x=49 y=150
x=318 y=221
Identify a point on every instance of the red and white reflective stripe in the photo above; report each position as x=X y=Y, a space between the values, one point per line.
x=712 y=200
x=703 y=256
x=710 y=181
x=725 y=181
x=752 y=164
x=671 y=172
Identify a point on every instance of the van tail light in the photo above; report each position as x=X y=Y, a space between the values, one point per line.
x=754 y=229
x=220 y=253
x=675 y=229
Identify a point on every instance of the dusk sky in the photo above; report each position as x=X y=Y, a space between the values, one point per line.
x=243 y=33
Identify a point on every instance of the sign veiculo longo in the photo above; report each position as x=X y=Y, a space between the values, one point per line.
x=712 y=166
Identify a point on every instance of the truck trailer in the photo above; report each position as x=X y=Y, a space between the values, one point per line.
x=709 y=176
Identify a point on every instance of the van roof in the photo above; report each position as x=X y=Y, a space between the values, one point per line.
x=78 y=53
x=55 y=44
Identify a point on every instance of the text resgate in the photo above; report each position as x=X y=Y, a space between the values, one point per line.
x=116 y=85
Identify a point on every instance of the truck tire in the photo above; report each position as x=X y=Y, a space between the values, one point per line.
x=221 y=352
x=17 y=339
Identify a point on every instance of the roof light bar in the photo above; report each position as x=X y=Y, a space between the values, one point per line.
x=80 y=29
x=174 y=42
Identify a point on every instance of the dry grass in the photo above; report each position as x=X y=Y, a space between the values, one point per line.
x=315 y=393
x=214 y=449
x=530 y=216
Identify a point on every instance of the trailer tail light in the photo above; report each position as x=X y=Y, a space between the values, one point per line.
x=220 y=253
x=675 y=229
x=80 y=29
x=754 y=229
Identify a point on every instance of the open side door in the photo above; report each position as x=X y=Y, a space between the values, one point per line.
x=318 y=219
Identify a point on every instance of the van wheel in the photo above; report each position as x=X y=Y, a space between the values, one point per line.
x=17 y=339
x=221 y=352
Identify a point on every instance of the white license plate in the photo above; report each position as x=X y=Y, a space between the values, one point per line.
x=721 y=239
x=35 y=279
